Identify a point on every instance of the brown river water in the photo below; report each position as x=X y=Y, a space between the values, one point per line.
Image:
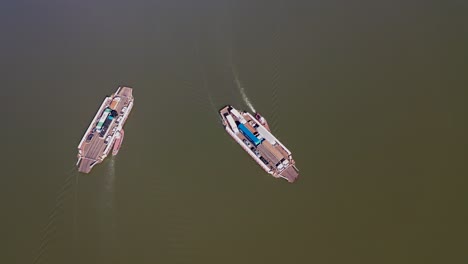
x=370 y=96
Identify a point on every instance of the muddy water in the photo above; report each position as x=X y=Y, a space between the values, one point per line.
x=370 y=97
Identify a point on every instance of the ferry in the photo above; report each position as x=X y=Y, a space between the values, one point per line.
x=253 y=134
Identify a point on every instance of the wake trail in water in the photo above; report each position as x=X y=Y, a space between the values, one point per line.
x=213 y=105
x=110 y=184
x=241 y=88
x=107 y=197
x=75 y=219
x=238 y=83
x=50 y=228
x=106 y=216
x=276 y=70
x=202 y=73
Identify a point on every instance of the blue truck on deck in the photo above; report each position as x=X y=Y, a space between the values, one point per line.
x=249 y=134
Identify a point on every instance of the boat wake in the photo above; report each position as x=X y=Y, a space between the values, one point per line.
x=246 y=100
x=106 y=216
x=50 y=229
x=109 y=184
x=106 y=199
x=202 y=74
x=75 y=217
x=241 y=88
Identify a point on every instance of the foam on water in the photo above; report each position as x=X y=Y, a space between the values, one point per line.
x=242 y=90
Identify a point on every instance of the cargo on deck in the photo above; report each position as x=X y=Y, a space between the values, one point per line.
x=94 y=149
x=258 y=141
